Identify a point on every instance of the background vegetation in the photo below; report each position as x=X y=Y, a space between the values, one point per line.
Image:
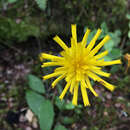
x=26 y=29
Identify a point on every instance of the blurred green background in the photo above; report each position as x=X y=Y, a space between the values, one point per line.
x=26 y=29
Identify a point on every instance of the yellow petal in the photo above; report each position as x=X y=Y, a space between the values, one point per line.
x=57 y=80
x=101 y=55
x=94 y=67
x=84 y=95
x=60 y=42
x=97 y=78
x=75 y=96
x=72 y=42
x=92 y=75
x=90 y=86
x=102 y=73
x=92 y=43
x=72 y=85
x=53 y=75
x=106 y=63
x=84 y=41
x=74 y=33
x=59 y=69
x=47 y=64
x=95 y=50
x=64 y=91
x=50 y=57
x=69 y=77
x=62 y=53
x=107 y=85
x=78 y=75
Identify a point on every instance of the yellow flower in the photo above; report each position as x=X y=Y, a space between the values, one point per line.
x=127 y=57
x=78 y=64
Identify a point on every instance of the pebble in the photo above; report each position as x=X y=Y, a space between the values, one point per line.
x=109 y=96
x=28 y=128
x=105 y=113
x=117 y=105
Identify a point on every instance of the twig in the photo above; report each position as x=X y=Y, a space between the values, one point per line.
x=123 y=42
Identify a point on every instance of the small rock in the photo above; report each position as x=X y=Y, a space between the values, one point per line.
x=28 y=128
x=84 y=128
x=9 y=72
x=114 y=128
x=117 y=105
x=105 y=113
x=18 y=21
x=34 y=123
x=123 y=113
x=29 y=115
x=121 y=98
x=22 y=118
x=109 y=96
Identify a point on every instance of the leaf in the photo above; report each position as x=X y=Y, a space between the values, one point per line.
x=104 y=27
x=115 y=53
x=109 y=45
x=69 y=106
x=36 y=84
x=126 y=79
x=60 y=127
x=42 y=4
x=46 y=115
x=115 y=68
x=68 y=120
x=128 y=16
x=107 y=58
x=11 y=1
x=129 y=24
x=34 y=101
x=60 y=104
x=128 y=43
x=117 y=32
x=114 y=36
x=129 y=34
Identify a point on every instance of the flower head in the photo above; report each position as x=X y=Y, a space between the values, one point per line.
x=78 y=64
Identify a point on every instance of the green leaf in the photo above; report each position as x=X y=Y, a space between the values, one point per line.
x=11 y=1
x=42 y=4
x=46 y=115
x=60 y=104
x=109 y=45
x=129 y=34
x=115 y=68
x=126 y=79
x=114 y=36
x=128 y=43
x=36 y=84
x=129 y=24
x=115 y=53
x=104 y=27
x=68 y=120
x=69 y=106
x=34 y=101
x=128 y=16
x=60 y=127
x=107 y=58
x=117 y=32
